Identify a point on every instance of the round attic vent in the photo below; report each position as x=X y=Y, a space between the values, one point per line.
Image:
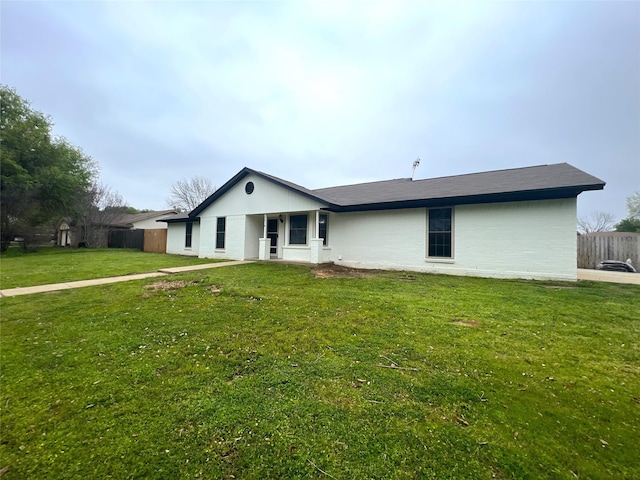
x=248 y=188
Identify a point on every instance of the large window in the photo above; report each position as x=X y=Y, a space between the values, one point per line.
x=324 y=225
x=298 y=230
x=440 y=232
x=221 y=226
x=188 y=234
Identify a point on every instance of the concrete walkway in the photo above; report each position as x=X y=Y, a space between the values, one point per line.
x=52 y=287
x=605 y=276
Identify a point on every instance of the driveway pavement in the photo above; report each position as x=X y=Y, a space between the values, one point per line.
x=52 y=287
x=604 y=276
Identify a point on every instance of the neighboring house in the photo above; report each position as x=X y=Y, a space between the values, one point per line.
x=147 y=220
x=516 y=223
x=70 y=234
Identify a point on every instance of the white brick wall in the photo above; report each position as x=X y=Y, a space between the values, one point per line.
x=234 y=238
x=296 y=253
x=207 y=236
x=176 y=236
x=516 y=239
x=382 y=239
x=519 y=239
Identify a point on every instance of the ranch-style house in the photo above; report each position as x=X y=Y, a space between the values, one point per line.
x=515 y=223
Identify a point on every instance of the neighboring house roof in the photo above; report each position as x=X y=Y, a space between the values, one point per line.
x=126 y=220
x=529 y=183
x=117 y=220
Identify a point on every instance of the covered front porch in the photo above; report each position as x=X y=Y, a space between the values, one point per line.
x=289 y=236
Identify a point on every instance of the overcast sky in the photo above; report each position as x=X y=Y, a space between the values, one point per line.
x=330 y=93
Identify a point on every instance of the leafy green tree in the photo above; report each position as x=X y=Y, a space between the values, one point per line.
x=632 y=222
x=133 y=210
x=628 y=225
x=40 y=175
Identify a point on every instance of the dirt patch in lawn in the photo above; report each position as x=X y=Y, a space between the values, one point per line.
x=466 y=323
x=174 y=285
x=330 y=270
x=165 y=285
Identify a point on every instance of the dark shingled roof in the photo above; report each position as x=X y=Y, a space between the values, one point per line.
x=529 y=183
x=558 y=181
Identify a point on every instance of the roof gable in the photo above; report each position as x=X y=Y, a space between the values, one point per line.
x=244 y=173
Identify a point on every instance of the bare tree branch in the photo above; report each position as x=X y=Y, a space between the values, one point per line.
x=186 y=195
x=633 y=205
x=596 y=222
x=99 y=208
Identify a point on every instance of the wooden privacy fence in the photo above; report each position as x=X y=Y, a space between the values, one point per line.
x=148 y=240
x=155 y=240
x=126 y=239
x=593 y=248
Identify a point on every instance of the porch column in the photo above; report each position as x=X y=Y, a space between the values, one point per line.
x=264 y=252
x=316 y=242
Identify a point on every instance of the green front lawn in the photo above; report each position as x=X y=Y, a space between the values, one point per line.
x=56 y=265
x=268 y=371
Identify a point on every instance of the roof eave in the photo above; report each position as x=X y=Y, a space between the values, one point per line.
x=519 y=196
x=179 y=220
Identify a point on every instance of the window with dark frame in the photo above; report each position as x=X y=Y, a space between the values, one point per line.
x=440 y=232
x=188 y=234
x=221 y=224
x=298 y=230
x=324 y=224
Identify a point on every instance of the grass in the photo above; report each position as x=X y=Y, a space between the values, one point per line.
x=266 y=371
x=55 y=265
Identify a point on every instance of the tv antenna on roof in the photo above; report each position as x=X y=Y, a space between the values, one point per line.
x=416 y=163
